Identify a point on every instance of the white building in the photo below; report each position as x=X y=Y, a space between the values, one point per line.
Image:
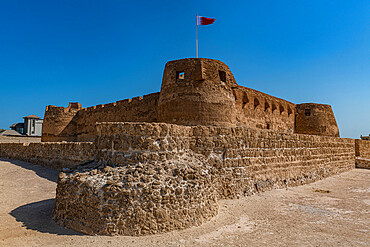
x=32 y=126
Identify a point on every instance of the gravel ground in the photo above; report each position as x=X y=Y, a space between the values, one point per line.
x=331 y=212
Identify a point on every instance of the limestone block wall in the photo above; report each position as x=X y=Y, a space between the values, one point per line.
x=55 y=155
x=155 y=177
x=363 y=148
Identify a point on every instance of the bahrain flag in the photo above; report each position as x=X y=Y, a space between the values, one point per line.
x=204 y=20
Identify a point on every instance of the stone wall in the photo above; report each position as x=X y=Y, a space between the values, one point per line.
x=362 y=163
x=58 y=123
x=152 y=178
x=363 y=148
x=315 y=119
x=138 y=109
x=77 y=124
x=19 y=139
x=51 y=154
x=197 y=91
x=259 y=110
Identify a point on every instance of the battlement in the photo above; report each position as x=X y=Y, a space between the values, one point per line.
x=73 y=106
x=194 y=91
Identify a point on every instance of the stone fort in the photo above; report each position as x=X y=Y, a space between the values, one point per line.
x=195 y=91
x=162 y=162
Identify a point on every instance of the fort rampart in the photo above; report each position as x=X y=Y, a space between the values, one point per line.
x=157 y=177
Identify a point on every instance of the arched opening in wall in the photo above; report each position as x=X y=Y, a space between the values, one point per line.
x=268 y=126
x=245 y=100
x=323 y=128
x=256 y=103
x=289 y=111
x=281 y=109
x=267 y=106
x=307 y=112
x=273 y=107
x=180 y=75
x=222 y=75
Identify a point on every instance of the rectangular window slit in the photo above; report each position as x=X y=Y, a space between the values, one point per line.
x=307 y=112
x=180 y=75
x=222 y=75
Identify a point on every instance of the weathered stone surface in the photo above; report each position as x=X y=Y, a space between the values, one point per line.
x=199 y=95
x=363 y=148
x=362 y=163
x=151 y=178
x=75 y=123
x=58 y=123
x=57 y=155
x=316 y=119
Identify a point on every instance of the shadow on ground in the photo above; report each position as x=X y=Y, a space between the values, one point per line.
x=38 y=216
x=44 y=172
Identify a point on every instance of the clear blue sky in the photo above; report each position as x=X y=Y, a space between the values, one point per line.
x=93 y=52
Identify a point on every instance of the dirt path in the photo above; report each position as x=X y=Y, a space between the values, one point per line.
x=331 y=212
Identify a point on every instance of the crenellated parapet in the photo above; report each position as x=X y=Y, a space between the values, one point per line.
x=75 y=123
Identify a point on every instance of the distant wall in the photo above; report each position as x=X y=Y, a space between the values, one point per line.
x=52 y=154
x=19 y=139
x=58 y=124
x=259 y=110
x=363 y=149
x=77 y=124
x=138 y=109
x=316 y=119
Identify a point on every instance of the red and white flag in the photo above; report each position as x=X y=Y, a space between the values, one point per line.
x=204 y=20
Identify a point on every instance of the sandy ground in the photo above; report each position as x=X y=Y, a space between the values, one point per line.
x=331 y=212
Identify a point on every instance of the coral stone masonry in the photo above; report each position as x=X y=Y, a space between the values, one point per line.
x=155 y=177
x=162 y=162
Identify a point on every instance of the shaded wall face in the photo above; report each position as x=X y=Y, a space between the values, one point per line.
x=197 y=92
x=363 y=149
x=59 y=123
x=315 y=119
x=258 y=110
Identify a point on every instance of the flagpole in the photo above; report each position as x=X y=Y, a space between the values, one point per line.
x=196 y=35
